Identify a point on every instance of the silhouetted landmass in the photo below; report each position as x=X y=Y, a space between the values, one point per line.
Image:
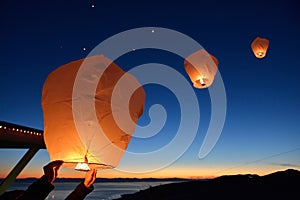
x=279 y=185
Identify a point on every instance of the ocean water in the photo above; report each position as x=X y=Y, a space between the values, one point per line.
x=102 y=191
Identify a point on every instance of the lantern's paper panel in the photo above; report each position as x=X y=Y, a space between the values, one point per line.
x=259 y=47
x=201 y=68
x=101 y=148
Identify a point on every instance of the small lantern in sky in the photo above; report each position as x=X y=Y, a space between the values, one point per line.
x=201 y=68
x=78 y=142
x=259 y=47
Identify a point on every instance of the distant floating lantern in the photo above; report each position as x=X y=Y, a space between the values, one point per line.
x=93 y=148
x=201 y=68
x=259 y=47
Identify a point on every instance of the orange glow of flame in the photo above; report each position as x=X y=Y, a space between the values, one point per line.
x=201 y=81
x=82 y=167
x=260 y=53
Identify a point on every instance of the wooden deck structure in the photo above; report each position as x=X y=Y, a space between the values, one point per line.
x=15 y=136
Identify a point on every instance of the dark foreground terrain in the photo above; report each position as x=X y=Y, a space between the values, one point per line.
x=279 y=185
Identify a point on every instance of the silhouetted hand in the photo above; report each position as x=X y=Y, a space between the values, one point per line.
x=90 y=178
x=51 y=170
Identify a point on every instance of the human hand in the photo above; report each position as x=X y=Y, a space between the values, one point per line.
x=51 y=170
x=90 y=178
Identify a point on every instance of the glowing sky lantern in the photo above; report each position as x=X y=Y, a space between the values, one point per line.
x=201 y=68
x=259 y=47
x=94 y=147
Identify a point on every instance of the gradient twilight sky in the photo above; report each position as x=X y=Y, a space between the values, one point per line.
x=261 y=132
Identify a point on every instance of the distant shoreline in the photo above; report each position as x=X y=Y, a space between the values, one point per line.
x=98 y=180
x=277 y=185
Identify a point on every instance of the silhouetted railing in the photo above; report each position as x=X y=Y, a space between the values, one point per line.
x=17 y=136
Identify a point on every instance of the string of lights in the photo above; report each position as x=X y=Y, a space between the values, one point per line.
x=8 y=128
x=18 y=136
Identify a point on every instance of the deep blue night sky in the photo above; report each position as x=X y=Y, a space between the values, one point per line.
x=261 y=132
